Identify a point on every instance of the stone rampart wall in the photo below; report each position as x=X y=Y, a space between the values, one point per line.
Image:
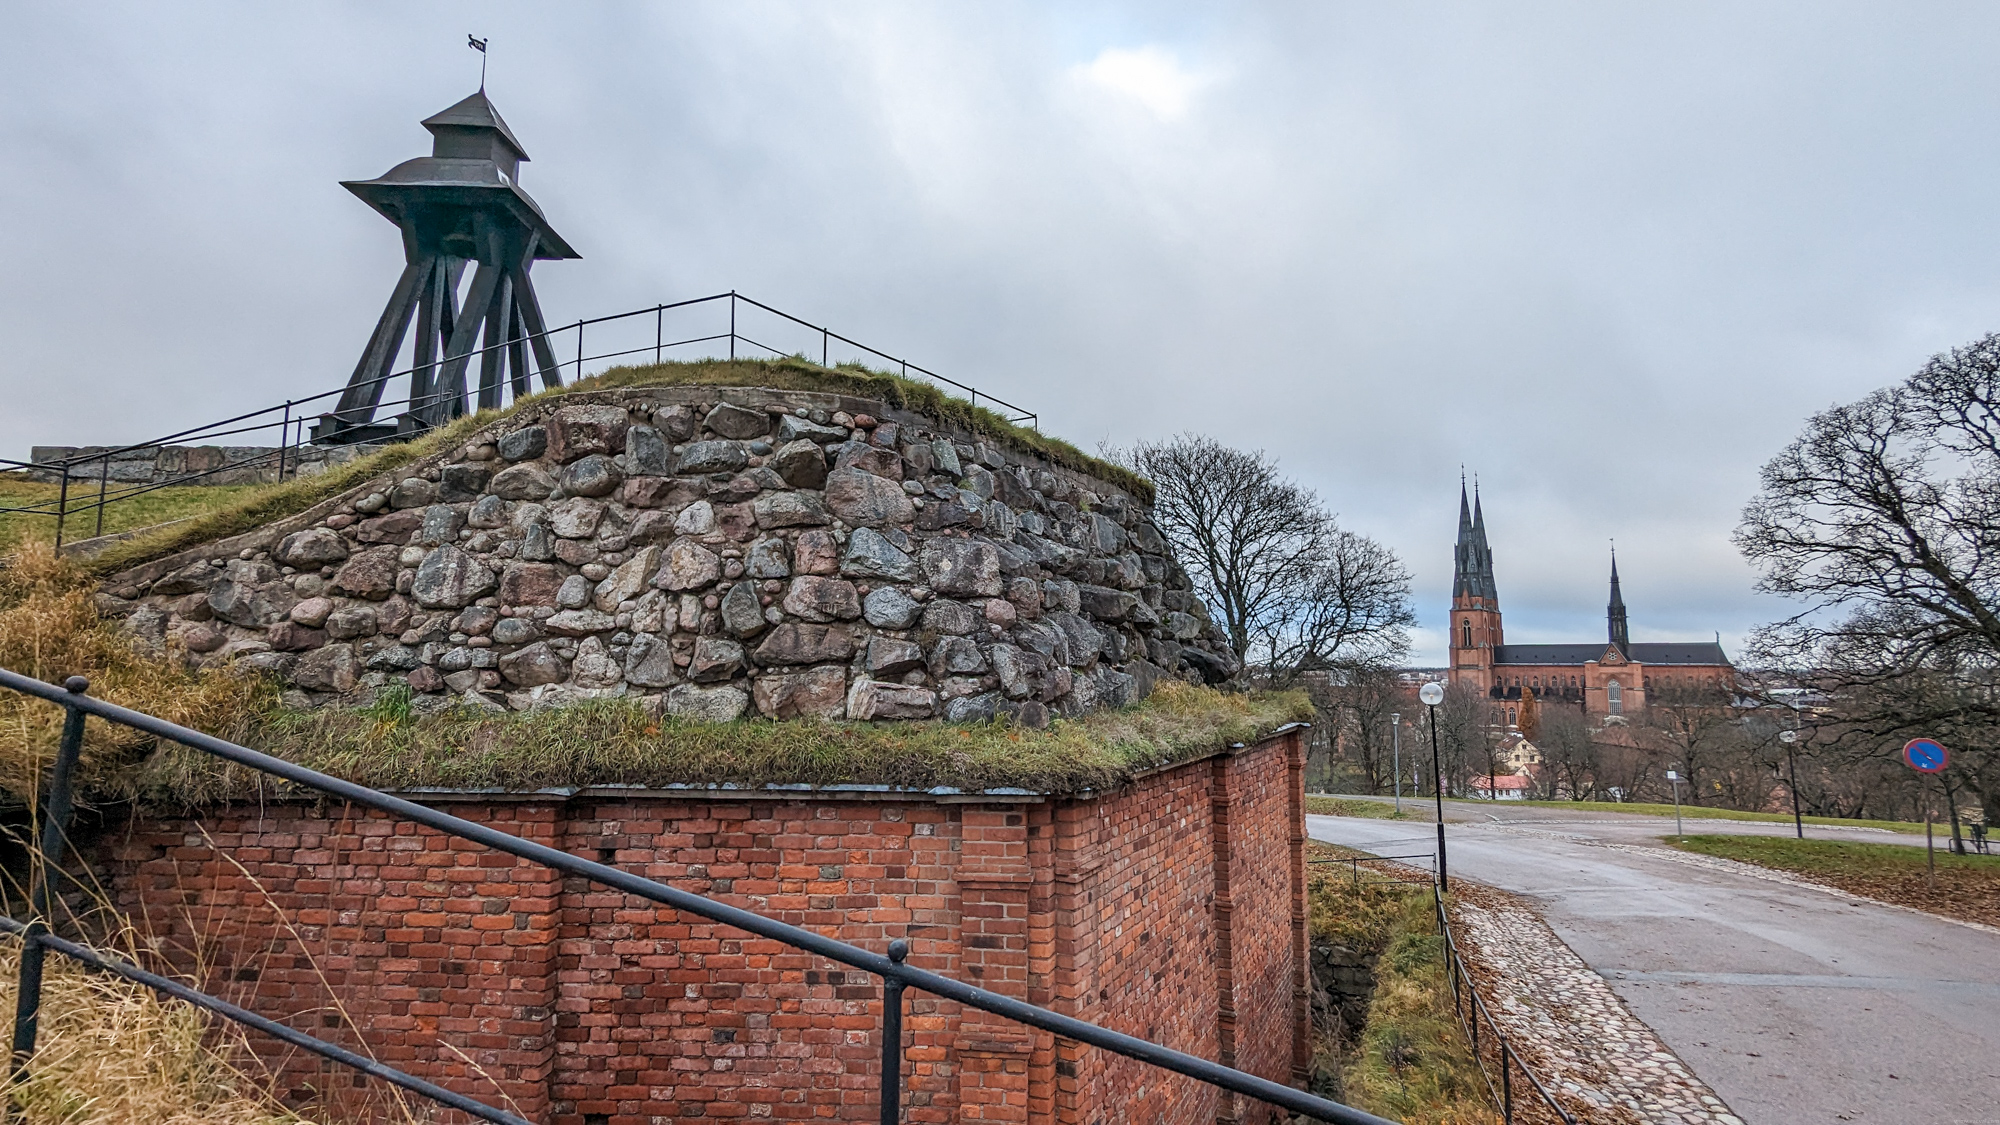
x=1171 y=909
x=715 y=551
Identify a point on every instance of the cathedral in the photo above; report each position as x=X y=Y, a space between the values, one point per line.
x=1604 y=678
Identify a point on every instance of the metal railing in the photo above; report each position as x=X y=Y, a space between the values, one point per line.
x=287 y=421
x=1472 y=1011
x=896 y=976
x=1391 y=877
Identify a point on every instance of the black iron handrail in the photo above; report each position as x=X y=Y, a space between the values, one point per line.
x=896 y=975
x=291 y=417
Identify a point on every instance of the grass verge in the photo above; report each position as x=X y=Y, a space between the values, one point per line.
x=1342 y=806
x=1703 y=812
x=1410 y=1062
x=1966 y=887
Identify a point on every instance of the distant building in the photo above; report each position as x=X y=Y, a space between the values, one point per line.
x=1609 y=677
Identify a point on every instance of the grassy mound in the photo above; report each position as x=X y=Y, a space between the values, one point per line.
x=256 y=505
x=241 y=509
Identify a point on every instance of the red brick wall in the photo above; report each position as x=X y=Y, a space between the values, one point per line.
x=1171 y=909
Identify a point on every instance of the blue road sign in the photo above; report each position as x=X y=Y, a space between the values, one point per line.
x=1925 y=756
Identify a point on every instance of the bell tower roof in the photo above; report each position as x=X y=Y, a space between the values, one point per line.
x=474 y=114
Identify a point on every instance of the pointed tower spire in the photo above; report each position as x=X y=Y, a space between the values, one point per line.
x=1482 y=554
x=1465 y=564
x=1615 y=612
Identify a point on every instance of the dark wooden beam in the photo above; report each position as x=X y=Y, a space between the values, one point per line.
x=531 y=317
x=492 y=361
x=364 y=387
x=450 y=393
x=517 y=351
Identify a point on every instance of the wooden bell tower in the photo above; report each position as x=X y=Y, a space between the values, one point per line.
x=461 y=205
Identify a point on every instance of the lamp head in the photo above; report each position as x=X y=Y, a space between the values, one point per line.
x=1431 y=694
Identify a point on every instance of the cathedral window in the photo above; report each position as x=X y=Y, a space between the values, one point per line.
x=1613 y=698
x=1465 y=628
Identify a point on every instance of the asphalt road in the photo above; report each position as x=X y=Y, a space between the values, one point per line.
x=1798 y=1007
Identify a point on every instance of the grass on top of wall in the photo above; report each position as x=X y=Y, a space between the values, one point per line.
x=50 y=629
x=617 y=742
x=249 y=507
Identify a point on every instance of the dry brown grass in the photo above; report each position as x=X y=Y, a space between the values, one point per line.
x=112 y=1052
x=50 y=629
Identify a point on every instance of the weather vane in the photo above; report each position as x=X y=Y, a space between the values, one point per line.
x=479 y=45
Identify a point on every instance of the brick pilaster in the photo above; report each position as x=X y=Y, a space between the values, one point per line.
x=1222 y=803
x=1295 y=809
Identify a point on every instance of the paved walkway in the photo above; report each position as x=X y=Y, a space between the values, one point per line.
x=1582 y=1042
x=1796 y=1005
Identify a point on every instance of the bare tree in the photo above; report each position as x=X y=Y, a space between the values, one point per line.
x=1883 y=518
x=1703 y=735
x=1355 y=707
x=1569 y=753
x=1295 y=592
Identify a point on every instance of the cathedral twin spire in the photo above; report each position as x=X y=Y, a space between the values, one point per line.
x=1472 y=571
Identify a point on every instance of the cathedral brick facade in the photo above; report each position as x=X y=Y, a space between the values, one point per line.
x=1614 y=676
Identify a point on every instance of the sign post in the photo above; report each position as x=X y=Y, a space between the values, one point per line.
x=1790 y=738
x=1926 y=755
x=1396 y=750
x=1675 y=777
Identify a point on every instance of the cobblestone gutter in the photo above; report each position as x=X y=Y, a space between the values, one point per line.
x=1567 y=1024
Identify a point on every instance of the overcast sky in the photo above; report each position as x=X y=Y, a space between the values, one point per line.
x=1607 y=257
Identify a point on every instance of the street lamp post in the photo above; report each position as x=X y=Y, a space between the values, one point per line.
x=1396 y=750
x=1433 y=694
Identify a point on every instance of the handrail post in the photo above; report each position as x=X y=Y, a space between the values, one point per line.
x=822 y=347
x=284 y=438
x=579 y=349
x=1506 y=1085
x=892 y=1038
x=55 y=833
x=62 y=504
x=732 y=324
x=103 y=479
x=659 y=328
